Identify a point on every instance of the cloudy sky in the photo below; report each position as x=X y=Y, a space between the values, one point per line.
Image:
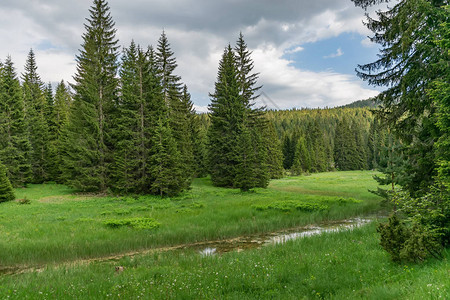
x=305 y=51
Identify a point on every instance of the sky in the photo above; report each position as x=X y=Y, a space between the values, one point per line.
x=305 y=51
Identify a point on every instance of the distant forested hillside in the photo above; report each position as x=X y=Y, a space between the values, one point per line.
x=369 y=103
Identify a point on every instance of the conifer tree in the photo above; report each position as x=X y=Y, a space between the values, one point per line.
x=274 y=153
x=165 y=166
x=180 y=107
x=316 y=147
x=255 y=117
x=227 y=114
x=391 y=164
x=87 y=143
x=245 y=176
x=235 y=125
x=302 y=161
x=288 y=151
x=35 y=110
x=14 y=143
x=129 y=121
x=141 y=105
x=6 y=190
x=58 y=122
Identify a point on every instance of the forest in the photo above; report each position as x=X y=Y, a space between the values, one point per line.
x=120 y=163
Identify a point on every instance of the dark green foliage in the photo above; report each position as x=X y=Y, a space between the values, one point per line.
x=6 y=190
x=409 y=243
x=57 y=123
x=274 y=153
x=302 y=160
x=14 y=143
x=391 y=163
x=87 y=143
x=349 y=147
x=288 y=151
x=132 y=125
x=165 y=168
x=375 y=143
x=413 y=65
x=407 y=66
x=287 y=206
x=369 y=103
x=36 y=110
x=246 y=175
x=317 y=148
x=227 y=113
x=237 y=153
x=393 y=237
x=136 y=223
x=181 y=112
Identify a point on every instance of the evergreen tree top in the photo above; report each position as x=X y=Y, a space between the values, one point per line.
x=99 y=49
x=31 y=77
x=167 y=64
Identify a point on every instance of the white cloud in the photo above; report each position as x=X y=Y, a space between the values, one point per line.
x=198 y=32
x=338 y=53
x=294 y=50
x=290 y=87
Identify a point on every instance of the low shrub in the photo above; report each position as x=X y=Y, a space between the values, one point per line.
x=287 y=206
x=24 y=201
x=136 y=223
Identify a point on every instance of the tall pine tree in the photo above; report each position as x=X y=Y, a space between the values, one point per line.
x=180 y=106
x=227 y=114
x=15 y=146
x=6 y=190
x=87 y=143
x=35 y=110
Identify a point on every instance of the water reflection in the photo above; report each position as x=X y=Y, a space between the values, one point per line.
x=257 y=241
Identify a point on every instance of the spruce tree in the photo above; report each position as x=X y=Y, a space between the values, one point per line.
x=6 y=190
x=274 y=152
x=87 y=143
x=316 y=147
x=255 y=117
x=288 y=151
x=245 y=176
x=180 y=107
x=302 y=161
x=227 y=114
x=58 y=122
x=128 y=117
x=165 y=165
x=235 y=125
x=14 y=143
x=141 y=105
x=35 y=110
x=391 y=164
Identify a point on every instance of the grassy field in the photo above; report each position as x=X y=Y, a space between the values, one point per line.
x=59 y=229
x=61 y=226
x=345 y=265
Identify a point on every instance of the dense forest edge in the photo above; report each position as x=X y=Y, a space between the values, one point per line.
x=126 y=131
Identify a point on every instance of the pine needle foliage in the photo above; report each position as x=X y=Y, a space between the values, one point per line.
x=15 y=146
x=6 y=190
x=87 y=144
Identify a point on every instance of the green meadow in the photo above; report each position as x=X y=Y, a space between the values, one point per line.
x=61 y=245
x=59 y=225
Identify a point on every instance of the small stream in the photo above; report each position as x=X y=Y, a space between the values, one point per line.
x=257 y=241
x=235 y=244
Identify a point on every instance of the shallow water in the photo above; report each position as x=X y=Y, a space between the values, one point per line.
x=280 y=237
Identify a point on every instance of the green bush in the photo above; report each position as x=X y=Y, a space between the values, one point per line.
x=413 y=243
x=136 y=223
x=287 y=206
x=24 y=201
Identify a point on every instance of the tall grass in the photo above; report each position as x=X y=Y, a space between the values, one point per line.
x=60 y=226
x=345 y=265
